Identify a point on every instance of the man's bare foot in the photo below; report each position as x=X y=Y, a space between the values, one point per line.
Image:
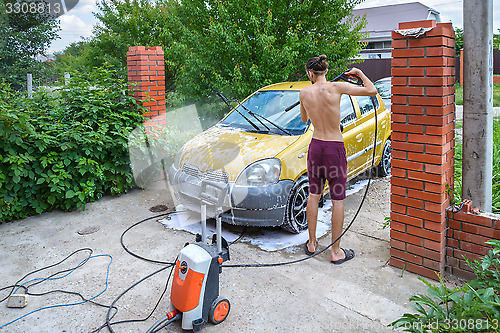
x=310 y=249
x=341 y=255
x=337 y=254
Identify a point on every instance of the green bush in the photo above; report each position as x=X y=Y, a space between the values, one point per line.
x=65 y=148
x=474 y=307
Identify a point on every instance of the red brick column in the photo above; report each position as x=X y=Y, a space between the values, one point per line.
x=423 y=115
x=146 y=69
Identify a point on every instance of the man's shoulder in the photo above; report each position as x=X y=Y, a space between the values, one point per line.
x=306 y=90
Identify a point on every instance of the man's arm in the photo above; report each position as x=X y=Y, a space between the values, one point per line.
x=303 y=113
x=350 y=89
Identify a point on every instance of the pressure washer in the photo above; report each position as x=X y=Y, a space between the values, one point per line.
x=195 y=286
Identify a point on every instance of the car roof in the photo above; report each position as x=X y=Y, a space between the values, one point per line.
x=385 y=79
x=287 y=86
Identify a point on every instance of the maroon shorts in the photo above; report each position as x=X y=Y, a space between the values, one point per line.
x=326 y=160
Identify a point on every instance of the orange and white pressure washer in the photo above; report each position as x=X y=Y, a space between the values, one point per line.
x=195 y=287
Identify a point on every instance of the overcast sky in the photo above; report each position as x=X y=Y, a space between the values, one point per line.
x=78 y=22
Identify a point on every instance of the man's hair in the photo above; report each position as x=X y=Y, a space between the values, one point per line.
x=318 y=65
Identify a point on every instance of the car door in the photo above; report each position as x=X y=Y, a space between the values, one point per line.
x=366 y=123
x=353 y=136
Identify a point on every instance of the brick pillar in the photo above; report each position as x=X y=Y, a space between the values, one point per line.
x=146 y=69
x=423 y=115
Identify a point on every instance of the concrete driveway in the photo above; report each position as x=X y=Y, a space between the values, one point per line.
x=362 y=295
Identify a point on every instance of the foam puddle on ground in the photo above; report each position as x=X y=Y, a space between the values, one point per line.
x=267 y=239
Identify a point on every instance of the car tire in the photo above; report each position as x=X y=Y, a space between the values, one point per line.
x=295 y=219
x=384 y=167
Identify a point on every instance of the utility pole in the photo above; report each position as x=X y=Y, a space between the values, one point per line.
x=477 y=160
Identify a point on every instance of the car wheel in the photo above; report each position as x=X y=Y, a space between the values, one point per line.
x=295 y=213
x=384 y=168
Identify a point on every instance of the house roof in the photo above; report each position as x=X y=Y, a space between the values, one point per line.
x=387 y=18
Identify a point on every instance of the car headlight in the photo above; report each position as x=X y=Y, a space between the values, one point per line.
x=260 y=173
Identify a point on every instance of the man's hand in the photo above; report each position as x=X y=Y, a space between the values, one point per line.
x=368 y=89
x=354 y=71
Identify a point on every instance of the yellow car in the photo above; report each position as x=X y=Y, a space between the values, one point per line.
x=258 y=155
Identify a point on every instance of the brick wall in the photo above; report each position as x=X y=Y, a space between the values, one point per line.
x=146 y=70
x=468 y=230
x=423 y=115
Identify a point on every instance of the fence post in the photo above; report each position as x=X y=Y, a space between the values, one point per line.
x=146 y=69
x=30 y=85
x=423 y=116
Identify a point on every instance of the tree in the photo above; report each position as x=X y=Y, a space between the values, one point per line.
x=127 y=23
x=71 y=59
x=459 y=40
x=24 y=36
x=237 y=46
x=242 y=45
x=496 y=41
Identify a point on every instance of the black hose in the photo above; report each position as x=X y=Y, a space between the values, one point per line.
x=136 y=255
x=108 y=318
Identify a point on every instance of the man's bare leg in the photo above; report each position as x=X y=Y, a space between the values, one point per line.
x=312 y=219
x=337 y=225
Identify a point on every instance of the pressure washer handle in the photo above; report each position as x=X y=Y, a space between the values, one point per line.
x=203 y=221
x=217 y=200
x=351 y=78
x=220 y=193
x=218 y=228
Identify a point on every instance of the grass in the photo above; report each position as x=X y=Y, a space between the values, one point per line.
x=459 y=94
x=496 y=166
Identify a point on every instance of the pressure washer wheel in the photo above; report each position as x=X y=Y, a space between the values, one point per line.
x=384 y=167
x=219 y=310
x=295 y=212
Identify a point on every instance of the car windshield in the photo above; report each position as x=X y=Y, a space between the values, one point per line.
x=384 y=88
x=271 y=105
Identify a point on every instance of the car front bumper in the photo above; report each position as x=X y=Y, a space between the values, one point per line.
x=243 y=205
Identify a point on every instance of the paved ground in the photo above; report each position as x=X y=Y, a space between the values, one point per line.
x=363 y=295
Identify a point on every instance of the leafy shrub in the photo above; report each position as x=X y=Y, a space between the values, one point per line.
x=65 y=148
x=474 y=307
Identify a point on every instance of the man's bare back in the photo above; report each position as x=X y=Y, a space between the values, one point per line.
x=320 y=102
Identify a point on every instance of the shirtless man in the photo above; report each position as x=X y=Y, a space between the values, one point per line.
x=326 y=158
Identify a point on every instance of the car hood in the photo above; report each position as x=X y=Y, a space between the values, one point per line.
x=230 y=150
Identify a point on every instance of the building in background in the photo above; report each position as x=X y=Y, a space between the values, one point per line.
x=385 y=19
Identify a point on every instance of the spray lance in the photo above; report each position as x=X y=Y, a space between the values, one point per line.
x=350 y=78
x=354 y=79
